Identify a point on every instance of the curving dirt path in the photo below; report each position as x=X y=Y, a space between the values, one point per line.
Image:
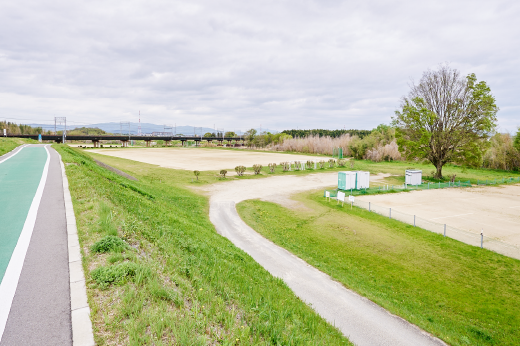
x=358 y=318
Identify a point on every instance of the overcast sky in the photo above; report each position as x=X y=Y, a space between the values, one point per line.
x=239 y=64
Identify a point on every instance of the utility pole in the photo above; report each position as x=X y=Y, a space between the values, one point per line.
x=61 y=121
x=139 y=127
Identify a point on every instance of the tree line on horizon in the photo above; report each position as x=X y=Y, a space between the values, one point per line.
x=326 y=133
x=21 y=129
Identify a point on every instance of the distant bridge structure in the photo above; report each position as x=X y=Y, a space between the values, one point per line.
x=96 y=139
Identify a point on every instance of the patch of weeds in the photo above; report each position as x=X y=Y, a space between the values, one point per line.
x=110 y=243
x=116 y=274
x=106 y=220
x=160 y=292
x=120 y=257
x=482 y=335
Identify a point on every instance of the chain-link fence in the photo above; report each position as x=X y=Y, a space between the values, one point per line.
x=444 y=229
x=426 y=186
x=498 y=181
x=399 y=188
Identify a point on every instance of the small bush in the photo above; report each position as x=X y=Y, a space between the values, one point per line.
x=197 y=173
x=240 y=170
x=285 y=166
x=272 y=167
x=115 y=274
x=342 y=163
x=257 y=169
x=321 y=164
x=332 y=163
x=297 y=166
x=223 y=173
x=309 y=164
x=109 y=243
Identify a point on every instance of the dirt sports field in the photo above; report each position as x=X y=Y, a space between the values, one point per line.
x=495 y=209
x=202 y=159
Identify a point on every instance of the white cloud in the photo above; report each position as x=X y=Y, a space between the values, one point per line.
x=282 y=64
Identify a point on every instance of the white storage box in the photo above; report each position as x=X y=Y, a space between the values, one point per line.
x=353 y=180
x=363 y=180
x=346 y=180
x=413 y=177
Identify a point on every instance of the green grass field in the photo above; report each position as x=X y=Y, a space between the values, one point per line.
x=462 y=294
x=158 y=274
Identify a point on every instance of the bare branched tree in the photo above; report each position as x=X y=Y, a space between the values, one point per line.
x=446 y=118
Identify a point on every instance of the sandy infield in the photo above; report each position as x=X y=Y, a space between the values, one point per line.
x=495 y=209
x=202 y=159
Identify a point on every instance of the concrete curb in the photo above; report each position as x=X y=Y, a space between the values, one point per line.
x=82 y=334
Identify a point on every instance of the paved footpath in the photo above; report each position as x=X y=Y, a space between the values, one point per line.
x=358 y=318
x=35 y=305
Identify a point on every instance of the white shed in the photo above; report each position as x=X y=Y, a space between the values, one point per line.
x=346 y=180
x=363 y=180
x=354 y=180
x=413 y=177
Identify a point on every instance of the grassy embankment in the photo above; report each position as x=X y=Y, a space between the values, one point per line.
x=7 y=144
x=462 y=294
x=157 y=272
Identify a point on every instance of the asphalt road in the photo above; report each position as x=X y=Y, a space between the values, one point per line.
x=40 y=313
x=358 y=318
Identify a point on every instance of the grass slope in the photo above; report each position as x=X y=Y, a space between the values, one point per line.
x=7 y=144
x=462 y=294
x=158 y=274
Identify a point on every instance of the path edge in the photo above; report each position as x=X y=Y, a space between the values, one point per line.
x=82 y=334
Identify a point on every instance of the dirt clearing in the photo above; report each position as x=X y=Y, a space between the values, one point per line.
x=203 y=159
x=493 y=209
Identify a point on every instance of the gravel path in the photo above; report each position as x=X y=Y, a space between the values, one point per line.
x=359 y=319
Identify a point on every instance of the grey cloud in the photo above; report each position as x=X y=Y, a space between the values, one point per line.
x=282 y=64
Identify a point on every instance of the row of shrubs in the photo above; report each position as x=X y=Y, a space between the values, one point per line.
x=287 y=166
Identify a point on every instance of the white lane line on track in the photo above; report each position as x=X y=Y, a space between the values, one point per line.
x=14 y=268
x=16 y=152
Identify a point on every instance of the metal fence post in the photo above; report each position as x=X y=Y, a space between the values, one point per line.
x=482 y=239
x=369 y=206
x=444 y=229
x=390 y=215
x=414 y=220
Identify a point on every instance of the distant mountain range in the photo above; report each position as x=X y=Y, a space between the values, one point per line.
x=146 y=128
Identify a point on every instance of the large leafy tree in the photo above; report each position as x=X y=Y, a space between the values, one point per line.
x=446 y=118
x=516 y=143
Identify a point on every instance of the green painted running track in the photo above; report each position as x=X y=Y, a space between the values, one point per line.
x=20 y=176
